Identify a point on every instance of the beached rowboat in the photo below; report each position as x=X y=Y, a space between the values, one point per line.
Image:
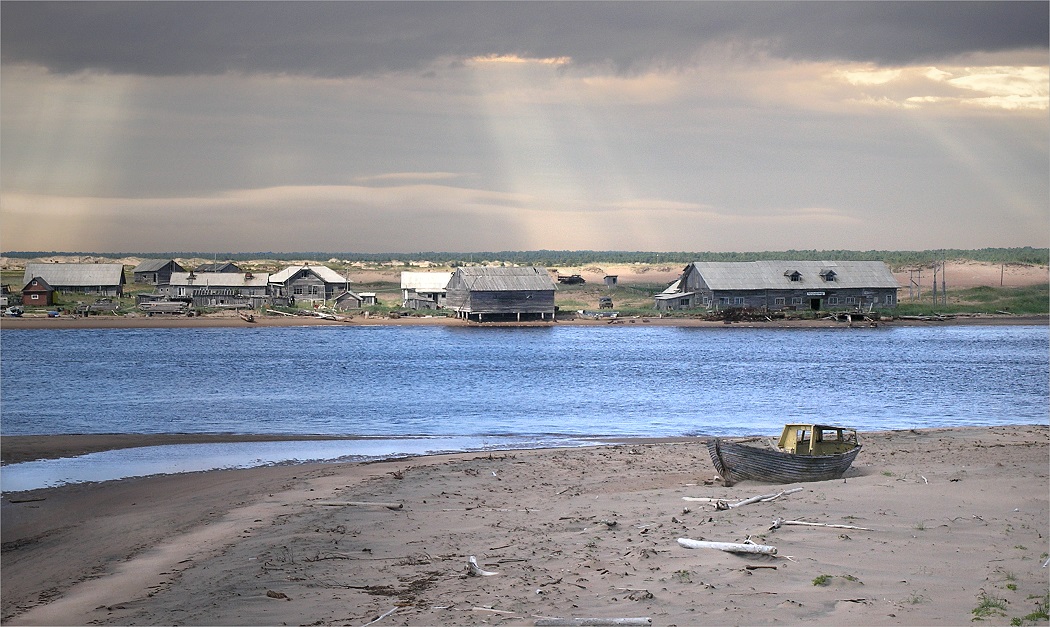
x=803 y=453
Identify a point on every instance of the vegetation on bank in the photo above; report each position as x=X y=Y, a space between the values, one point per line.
x=896 y=259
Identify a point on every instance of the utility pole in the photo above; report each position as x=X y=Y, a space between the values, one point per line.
x=935 y=283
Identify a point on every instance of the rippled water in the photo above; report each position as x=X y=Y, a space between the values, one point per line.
x=529 y=383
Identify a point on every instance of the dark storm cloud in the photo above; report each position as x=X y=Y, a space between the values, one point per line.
x=354 y=38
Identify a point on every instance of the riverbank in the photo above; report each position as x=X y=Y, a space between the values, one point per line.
x=955 y=523
x=231 y=319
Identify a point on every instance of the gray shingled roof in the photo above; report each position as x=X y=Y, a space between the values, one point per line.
x=151 y=265
x=60 y=275
x=325 y=273
x=764 y=275
x=219 y=279
x=484 y=279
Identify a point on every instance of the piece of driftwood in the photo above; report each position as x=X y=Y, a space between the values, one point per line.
x=592 y=622
x=731 y=547
x=476 y=570
x=757 y=566
x=382 y=616
x=721 y=504
x=358 y=504
x=780 y=521
x=763 y=498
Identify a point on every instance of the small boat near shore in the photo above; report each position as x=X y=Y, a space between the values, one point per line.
x=803 y=453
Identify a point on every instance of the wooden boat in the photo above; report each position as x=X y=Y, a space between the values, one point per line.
x=803 y=453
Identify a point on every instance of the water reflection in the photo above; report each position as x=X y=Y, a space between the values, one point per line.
x=182 y=458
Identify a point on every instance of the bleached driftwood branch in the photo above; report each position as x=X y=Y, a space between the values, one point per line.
x=777 y=523
x=359 y=504
x=724 y=504
x=592 y=622
x=731 y=547
x=476 y=570
x=381 y=616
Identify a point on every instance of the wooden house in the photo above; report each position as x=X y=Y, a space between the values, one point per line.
x=424 y=290
x=782 y=285
x=218 y=266
x=155 y=271
x=219 y=289
x=308 y=283
x=348 y=300
x=37 y=293
x=481 y=293
x=103 y=279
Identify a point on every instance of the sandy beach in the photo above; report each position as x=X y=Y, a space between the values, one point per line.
x=954 y=521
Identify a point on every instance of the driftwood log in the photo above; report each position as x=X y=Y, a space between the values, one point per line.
x=592 y=622
x=780 y=522
x=476 y=570
x=358 y=504
x=731 y=547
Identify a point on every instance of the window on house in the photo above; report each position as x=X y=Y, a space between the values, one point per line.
x=298 y=291
x=723 y=300
x=34 y=296
x=779 y=300
x=833 y=300
x=851 y=300
x=739 y=300
x=314 y=289
x=796 y=300
x=828 y=275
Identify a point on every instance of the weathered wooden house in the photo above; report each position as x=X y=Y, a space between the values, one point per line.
x=155 y=271
x=37 y=293
x=481 y=293
x=348 y=300
x=424 y=290
x=219 y=289
x=103 y=279
x=308 y=283
x=782 y=285
x=218 y=266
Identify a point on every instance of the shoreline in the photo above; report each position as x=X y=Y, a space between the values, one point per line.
x=231 y=320
x=953 y=516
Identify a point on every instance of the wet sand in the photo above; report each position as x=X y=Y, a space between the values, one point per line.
x=954 y=520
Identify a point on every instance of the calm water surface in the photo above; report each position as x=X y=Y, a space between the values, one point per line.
x=529 y=384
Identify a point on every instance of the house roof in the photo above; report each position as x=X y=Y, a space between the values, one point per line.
x=41 y=285
x=485 y=279
x=219 y=279
x=152 y=265
x=425 y=281
x=759 y=275
x=324 y=273
x=221 y=266
x=76 y=274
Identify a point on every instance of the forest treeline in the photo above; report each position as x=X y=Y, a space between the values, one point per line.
x=894 y=258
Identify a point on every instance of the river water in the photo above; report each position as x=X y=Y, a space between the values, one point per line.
x=481 y=387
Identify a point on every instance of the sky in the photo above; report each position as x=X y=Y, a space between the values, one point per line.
x=486 y=126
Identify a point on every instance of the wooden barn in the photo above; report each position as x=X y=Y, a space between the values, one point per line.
x=103 y=279
x=481 y=293
x=219 y=289
x=782 y=285
x=155 y=271
x=37 y=293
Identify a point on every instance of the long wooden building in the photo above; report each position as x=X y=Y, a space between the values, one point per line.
x=480 y=293
x=782 y=285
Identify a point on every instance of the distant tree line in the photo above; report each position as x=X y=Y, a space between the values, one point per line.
x=554 y=258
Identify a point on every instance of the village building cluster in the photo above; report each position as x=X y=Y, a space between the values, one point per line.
x=472 y=292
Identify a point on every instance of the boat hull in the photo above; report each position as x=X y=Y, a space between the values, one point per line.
x=739 y=462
